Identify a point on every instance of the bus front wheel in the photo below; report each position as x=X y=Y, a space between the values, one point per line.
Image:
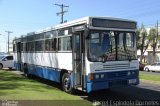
x=66 y=83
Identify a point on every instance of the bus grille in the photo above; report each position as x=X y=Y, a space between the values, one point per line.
x=116 y=66
x=117 y=83
x=117 y=74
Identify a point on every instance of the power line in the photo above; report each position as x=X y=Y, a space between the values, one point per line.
x=62 y=11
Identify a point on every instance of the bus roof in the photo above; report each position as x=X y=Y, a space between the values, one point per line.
x=84 y=20
x=79 y=21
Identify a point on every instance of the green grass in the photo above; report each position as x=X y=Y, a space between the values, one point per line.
x=149 y=77
x=16 y=87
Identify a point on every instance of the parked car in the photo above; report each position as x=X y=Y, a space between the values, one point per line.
x=6 y=62
x=2 y=55
x=141 y=66
x=152 y=67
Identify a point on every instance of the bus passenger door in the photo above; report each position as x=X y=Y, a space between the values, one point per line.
x=77 y=59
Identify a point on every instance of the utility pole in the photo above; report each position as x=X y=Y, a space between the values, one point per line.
x=62 y=11
x=157 y=28
x=9 y=32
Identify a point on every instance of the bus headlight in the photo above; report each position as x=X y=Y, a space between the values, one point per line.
x=133 y=73
x=129 y=73
x=102 y=75
x=97 y=76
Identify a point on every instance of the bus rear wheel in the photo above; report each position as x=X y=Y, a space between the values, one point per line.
x=1 y=66
x=25 y=70
x=66 y=83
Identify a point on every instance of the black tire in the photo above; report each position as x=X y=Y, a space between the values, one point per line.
x=66 y=83
x=1 y=65
x=25 y=70
x=10 y=68
x=147 y=69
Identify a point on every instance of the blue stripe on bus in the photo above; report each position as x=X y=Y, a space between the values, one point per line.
x=17 y=65
x=43 y=72
x=93 y=86
x=113 y=75
x=110 y=80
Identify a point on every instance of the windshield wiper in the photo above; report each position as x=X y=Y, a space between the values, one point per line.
x=127 y=52
x=104 y=58
x=106 y=55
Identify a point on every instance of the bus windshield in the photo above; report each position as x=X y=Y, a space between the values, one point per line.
x=111 y=45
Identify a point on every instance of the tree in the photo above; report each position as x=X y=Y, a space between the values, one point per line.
x=142 y=41
x=153 y=36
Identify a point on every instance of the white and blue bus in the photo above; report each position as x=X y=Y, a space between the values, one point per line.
x=88 y=54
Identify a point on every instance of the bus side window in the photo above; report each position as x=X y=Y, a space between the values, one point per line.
x=22 y=44
x=53 y=44
x=27 y=47
x=14 y=48
x=32 y=46
x=64 y=44
x=39 y=45
x=47 y=44
x=24 y=47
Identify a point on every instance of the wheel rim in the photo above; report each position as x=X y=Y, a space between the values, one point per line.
x=66 y=84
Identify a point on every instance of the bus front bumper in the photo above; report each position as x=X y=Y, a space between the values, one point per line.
x=93 y=86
